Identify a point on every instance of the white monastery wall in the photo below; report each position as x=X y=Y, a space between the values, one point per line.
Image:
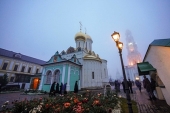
x=159 y=56
x=89 y=67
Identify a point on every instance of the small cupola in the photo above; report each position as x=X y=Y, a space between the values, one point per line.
x=80 y=36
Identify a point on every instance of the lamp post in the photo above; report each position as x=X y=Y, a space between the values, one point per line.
x=116 y=37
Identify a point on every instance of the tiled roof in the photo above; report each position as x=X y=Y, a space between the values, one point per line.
x=161 y=42
x=12 y=54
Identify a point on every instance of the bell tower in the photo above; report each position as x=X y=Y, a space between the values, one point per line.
x=133 y=57
x=133 y=54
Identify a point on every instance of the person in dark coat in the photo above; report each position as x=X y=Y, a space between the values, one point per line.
x=123 y=84
x=52 y=90
x=130 y=86
x=147 y=86
x=76 y=87
x=61 y=88
x=65 y=86
x=153 y=87
x=117 y=86
x=153 y=84
x=57 y=88
x=138 y=84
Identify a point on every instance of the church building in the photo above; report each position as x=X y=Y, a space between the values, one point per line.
x=80 y=64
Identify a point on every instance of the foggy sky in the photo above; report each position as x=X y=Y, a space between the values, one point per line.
x=39 y=28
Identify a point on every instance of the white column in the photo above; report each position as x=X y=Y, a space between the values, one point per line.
x=68 y=79
x=63 y=74
x=82 y=75
x=42 y=79
x=80 y=78
x=79 y=84
x=52 y=78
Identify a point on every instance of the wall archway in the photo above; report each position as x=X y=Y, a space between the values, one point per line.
x=56 y=76
x=48 y=77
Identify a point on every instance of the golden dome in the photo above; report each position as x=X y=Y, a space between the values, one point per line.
x=80 y=36
x=91 y=57
x=88 y=37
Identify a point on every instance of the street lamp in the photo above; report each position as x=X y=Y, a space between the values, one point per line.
x=116 y=37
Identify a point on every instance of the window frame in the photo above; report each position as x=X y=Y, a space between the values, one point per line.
x=92 y=75
x=23 y=68
x=37 y=71
x=5 y=67
x=16 y=68
x=29 y=70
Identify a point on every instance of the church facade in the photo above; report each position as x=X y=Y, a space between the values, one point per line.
x=80 y=64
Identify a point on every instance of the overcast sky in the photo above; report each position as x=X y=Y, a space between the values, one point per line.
x=39 y=28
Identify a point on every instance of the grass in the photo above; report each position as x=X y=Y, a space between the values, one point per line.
x=124 y=106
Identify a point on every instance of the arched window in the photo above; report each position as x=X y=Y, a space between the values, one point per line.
x=57 y=76
x=48 y=79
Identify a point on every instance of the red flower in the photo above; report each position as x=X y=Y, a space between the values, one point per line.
x=46 y=106
x=67 y=104
x=76 y=100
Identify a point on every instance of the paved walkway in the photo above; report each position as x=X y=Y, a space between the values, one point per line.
x=145 y=105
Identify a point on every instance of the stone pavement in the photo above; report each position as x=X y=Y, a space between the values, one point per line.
x=145 y=105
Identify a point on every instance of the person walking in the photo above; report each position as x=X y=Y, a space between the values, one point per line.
x=61 y=88
x=57 y=88
x=123 y=84
x=76 y=87
x=117 y=86
x=130 y=86
x=52 y=89
x=138 y=84
x=64 y=90
x=153 y=87
x=147 y=86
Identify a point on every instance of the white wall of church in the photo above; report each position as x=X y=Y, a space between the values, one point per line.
x=105 y=77
x=89 y=67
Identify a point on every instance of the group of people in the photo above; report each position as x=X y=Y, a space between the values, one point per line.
x=129 y=83
x=150 y=87
x=62 y=89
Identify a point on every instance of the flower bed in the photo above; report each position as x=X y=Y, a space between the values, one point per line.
x=32 y=91
x=87 y=102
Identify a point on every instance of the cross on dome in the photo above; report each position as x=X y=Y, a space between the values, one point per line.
x=80 y=26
